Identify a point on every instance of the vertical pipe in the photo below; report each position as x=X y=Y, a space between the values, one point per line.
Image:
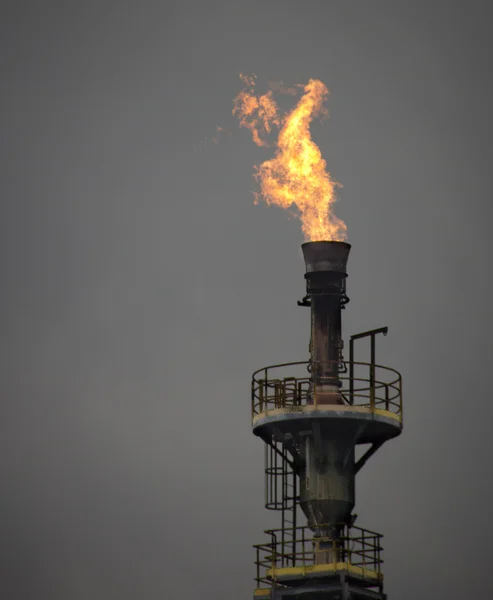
x=274 y=455
x=283 y=508
x=266 y=475
x=303 y=544
x=294 y=518
x=274 y=560
x=372 y=373
x=351 y=371
x=307 y=462
x=325 y=271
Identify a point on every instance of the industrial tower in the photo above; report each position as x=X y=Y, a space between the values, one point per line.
x=312 y=415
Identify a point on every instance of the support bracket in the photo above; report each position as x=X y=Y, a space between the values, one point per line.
x=368 y=454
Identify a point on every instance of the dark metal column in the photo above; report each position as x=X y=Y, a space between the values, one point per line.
x=325 y=275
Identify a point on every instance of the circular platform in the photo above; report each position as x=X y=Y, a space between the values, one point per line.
x=367 y=406
x=366 y=425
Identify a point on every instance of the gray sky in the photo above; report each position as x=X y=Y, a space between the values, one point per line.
x=141 y=286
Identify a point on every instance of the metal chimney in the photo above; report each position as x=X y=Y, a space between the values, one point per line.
x=326 y=264
x=312 y=416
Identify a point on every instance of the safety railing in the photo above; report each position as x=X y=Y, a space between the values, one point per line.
x=368 y=385
x=357 y=550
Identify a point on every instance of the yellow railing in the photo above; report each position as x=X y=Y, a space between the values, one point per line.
x=356 y=550
x=372 y=386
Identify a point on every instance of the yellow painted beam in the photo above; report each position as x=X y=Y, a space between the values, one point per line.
x=329 y=569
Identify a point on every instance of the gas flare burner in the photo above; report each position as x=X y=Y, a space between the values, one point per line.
x=313 y=416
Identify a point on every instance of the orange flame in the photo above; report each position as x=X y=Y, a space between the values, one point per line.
x=297 y=174
x=257 y=114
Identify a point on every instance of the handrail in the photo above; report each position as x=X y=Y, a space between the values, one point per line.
x=381 y=388
x=306 y=362
x=353 y=547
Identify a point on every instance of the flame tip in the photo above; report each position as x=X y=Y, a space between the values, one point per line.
x=296 y=175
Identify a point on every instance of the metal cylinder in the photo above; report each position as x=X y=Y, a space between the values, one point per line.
x=326 y=257
x=327 y=475
x=325 y=277
x=327 y=491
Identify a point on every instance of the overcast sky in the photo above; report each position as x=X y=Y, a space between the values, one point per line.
x=141 y=287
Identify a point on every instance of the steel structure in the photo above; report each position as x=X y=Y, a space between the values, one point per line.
x=312 y=415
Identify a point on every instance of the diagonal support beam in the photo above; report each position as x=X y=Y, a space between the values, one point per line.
x=368 y=454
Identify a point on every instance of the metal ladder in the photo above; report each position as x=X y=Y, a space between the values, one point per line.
x=290 y=503
x=282 y=495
